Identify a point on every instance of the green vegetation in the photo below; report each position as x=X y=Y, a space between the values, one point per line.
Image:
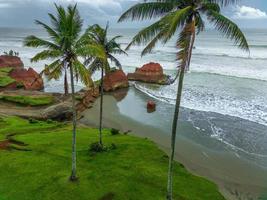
x=134 y=169
x=5 y=79
x=11 y=53
x=28 y=100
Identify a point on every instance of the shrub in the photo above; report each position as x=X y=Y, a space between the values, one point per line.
x=96 y=147
x=33 y=121
x=49 y=121
x=115 y=131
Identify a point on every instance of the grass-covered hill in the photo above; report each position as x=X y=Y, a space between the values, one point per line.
x=35 y=164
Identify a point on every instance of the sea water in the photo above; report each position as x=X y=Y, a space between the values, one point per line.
x=227 y=87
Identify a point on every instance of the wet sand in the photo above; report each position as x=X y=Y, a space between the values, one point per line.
x=237 y=177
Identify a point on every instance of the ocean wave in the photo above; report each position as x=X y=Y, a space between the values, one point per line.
x=230 y=106
x=217 y=132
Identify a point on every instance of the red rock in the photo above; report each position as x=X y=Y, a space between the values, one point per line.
x=151 y=106
x=10 y=61
x=29 y=79
x=149 y=73
x=115 y=80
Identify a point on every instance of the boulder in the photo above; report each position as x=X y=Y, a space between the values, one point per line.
x=27 y=79
x=149 y=73
x=151 y=106
x=61 y=111
x=115 y=80
x=10 y=61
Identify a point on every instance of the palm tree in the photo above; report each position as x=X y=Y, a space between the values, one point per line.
x=185 y=16
x=65 y=46
x=99 y=37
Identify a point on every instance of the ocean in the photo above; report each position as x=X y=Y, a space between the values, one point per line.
x=223 y=81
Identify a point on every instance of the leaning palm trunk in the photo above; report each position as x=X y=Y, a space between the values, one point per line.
x=73 y=172
x=187 y=53
x=101 y=107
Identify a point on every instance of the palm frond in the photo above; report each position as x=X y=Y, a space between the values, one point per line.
x=46 y=54
x=83 y=73
x=223 y=2
x=228 y=29
x=147 y=34
x=33 y=41
x=210 y=6
x=176 y=20
x=53 y=70
x=51 y=32
x=115 y=61
x=91 y=50
x=184 y=44
x=95 y=65
x=147 y=10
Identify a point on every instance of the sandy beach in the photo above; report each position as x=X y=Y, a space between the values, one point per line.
x=236 y=174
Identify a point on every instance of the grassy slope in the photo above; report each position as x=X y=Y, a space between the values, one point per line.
x=28 y=100
x=135 y=170
x=4 y=78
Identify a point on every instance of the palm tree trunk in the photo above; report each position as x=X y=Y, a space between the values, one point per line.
x=174 y=128
x=73 y=176
x=101 y=107
x=66 y=85
x=176 y=112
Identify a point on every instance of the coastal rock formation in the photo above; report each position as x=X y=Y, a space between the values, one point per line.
x=149 y=73
x=27 y=79
x=14 y=76
x=151 y=106
x=87 y=98
x=115 y=80
x=10 y=61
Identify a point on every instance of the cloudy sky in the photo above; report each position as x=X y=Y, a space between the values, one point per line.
x=14 y=13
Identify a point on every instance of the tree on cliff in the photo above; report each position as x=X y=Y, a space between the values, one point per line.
x=98 y=36
x=185 y=16
x=65 y=46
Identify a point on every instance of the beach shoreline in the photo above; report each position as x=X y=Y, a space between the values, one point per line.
x=221 y=167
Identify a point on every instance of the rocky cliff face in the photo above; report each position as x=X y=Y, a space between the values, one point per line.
x=149 y=73
x=27 y=79
x=115 y=80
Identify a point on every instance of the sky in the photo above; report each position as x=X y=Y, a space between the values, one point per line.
x=22 y=13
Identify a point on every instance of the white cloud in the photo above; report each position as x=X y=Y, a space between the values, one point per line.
x=245 y=12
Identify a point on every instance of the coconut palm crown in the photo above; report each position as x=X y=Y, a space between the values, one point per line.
x=65 y=44
x=98 y=36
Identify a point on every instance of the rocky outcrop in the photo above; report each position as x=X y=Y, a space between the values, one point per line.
x=115 y=80
x=18 y=77
x=87 y=98
x=10 y=61
x=27 y=79
x=149 y=73
x=60 y=111
x=151 y=106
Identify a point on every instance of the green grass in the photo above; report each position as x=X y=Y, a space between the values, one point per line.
x=28 y=100
x=5 y=79
x=135 y=170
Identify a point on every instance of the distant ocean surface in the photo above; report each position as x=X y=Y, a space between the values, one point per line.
x=222 y=78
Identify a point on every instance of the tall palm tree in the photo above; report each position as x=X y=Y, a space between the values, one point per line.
x=185 y=16
x=98 y=36
x=65 y=46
